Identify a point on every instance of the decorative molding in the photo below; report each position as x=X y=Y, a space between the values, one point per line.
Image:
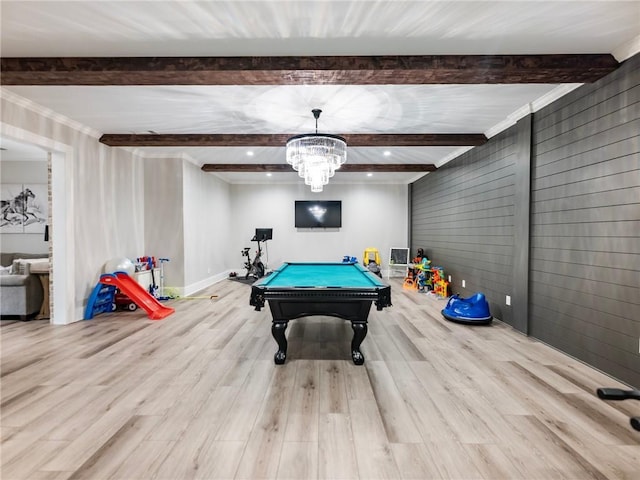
x=188 y=158
x=539 y=103
x=452 y=156
x=48 y=113
x=627 y=50
x=511 y=120
x=552 y=96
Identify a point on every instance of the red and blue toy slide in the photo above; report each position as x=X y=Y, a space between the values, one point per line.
x=132 y=289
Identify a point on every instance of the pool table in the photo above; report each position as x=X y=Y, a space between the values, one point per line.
x=343 y=290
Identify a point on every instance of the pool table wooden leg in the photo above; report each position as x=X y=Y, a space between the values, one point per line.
x=277 y=330
x=359 y=332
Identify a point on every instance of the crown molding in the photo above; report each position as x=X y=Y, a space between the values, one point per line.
x=48 y=113
x=627 y=50
x=453 y=156
x=534 y=106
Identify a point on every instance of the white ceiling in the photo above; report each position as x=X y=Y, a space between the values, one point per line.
x=15 y=151
x=290 y=28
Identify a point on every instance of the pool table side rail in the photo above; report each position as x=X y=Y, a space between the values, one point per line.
x=381 y=296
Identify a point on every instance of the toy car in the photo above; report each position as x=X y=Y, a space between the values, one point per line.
x=472 y=310
x=123 y=302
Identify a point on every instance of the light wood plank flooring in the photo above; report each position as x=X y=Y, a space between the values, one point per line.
x=197 y=396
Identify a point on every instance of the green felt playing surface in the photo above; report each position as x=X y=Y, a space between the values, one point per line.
x=338 y=275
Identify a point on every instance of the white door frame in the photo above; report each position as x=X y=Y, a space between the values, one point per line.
x=62 y=221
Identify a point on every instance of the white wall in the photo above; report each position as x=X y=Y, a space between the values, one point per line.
x=370 y=218
x=108 y=193
x=163 y=216
x=207 y=223
x=24 y=172
x=187 y=220
x=105 y=213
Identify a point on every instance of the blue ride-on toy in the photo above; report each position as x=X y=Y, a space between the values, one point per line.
x=472 y=310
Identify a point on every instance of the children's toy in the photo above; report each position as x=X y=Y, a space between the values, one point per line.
x=424 y=281
x=410 y=283
x=371 y=260
x=103 y=300
x=419 y=273
x=122 y=301
x=371 y=254
x=374 y=268
x=423 y=265
x=440 y=285
x=149 y=263
x=423 y=274
x=472 y=310
x=162 y=295
x=419 y=256
x=153 y=287
x=119 y=264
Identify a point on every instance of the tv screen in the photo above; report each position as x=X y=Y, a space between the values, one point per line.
x=263 y=234
x=318 y=214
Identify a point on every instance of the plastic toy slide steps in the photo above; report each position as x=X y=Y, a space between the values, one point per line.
x=132 y=289
x=101 y=300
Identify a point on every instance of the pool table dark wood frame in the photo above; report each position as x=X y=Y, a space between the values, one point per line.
x=288 y=303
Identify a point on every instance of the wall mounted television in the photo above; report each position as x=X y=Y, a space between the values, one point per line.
x=318 y=214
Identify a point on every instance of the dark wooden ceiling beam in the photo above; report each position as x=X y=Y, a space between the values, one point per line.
x=346 y=168
x=322 y=70
x=387 y=167
x=280 y=139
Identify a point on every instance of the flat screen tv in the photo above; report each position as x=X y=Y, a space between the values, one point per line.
x=318 y=214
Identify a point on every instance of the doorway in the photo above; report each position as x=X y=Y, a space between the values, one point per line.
x=61 y=226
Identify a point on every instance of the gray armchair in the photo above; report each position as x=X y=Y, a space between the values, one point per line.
x=21 y=292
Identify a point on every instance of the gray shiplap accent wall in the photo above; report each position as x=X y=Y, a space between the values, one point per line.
x=520 y=286
x=463 y=216
x=585 y=224
x=583 y=251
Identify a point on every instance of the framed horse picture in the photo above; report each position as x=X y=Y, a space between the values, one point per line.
x=24 y=208
x=11 y=201
x=36 y=210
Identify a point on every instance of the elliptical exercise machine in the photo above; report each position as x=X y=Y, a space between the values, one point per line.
x=255 y=268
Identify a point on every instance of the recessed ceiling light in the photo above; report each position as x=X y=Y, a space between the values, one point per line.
x=387 y=153
x=268 y=174
x=369 y=174
x=249 y=153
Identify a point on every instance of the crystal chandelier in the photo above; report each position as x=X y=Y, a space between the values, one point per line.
x=316 y=156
